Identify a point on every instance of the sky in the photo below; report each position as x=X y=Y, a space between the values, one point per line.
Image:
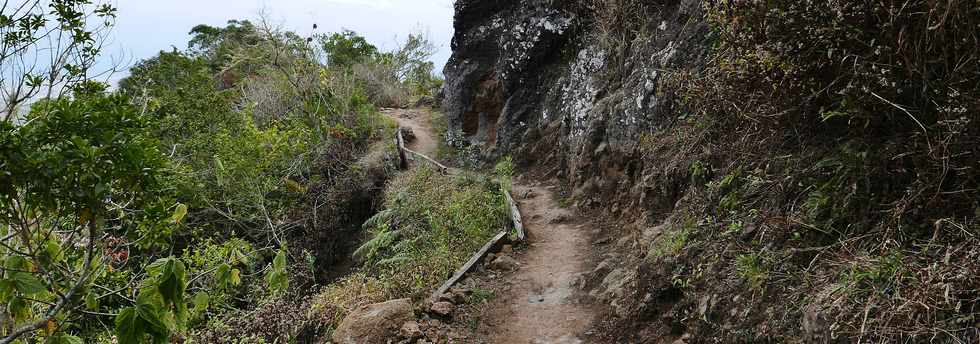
x=145 y=27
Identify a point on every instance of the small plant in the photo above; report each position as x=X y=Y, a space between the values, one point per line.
x=751 y=268
x=700 y=173
x=161 y=308
x=480 y=295
x=505 y=172
x=672 y=242
x=733 y=228
x=275 y=277
x=730 y=186
x=874 y=275
x=431 y=223
x=564 y=202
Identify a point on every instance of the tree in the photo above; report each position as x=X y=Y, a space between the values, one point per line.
x=217 y=45
x=68 y=34
x=80 y=170
x=347 y=48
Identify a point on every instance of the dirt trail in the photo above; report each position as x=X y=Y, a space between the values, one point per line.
x=419 y=122
x=535 y=304
x=538 y=304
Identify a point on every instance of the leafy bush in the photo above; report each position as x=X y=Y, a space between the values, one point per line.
x=224 y=154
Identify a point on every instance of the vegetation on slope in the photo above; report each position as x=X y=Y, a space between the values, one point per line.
x=212 y=181
x=826 y=157
x=430 y=225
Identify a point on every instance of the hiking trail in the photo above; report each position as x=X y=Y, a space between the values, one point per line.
x=536 y=304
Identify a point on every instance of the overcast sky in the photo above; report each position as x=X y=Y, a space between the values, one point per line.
x=146 y=27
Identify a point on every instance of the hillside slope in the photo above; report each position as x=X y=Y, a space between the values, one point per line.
x=790 y=171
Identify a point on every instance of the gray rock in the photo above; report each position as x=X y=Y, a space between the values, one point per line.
x=443 y=308
x=408 y=134
x=410 y=330
x=375 y=323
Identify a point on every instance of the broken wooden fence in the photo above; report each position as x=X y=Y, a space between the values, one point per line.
x=495 y=243
x=403 y=156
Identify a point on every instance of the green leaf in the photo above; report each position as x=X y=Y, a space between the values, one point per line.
x=201 y=301
x=222 y=276
x=279 y=263
x=180 y=314
x=53 y=249
x=129 y=327
x=17 y=263
x=6 y=290
x=179 y=213
x=155 y=268
x=236 y=277
x=91 y=301
x=27 y=284
x=19 y=309
x=276 y=276
x=149 y=308
x=172 y=281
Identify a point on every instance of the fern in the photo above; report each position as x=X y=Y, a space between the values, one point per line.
x=378 y=219
x=382 y=240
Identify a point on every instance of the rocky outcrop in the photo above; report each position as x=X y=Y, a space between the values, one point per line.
x=540 y=77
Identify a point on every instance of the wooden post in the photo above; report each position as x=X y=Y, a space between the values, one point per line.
x=515 y=215
x=400 y=143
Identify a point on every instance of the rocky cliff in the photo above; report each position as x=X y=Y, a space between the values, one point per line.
x=571 y=86
x=572 y=90
x=775 y=171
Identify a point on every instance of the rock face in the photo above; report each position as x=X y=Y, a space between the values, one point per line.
x=571 y=89
x=376 y=323
x=541 y=79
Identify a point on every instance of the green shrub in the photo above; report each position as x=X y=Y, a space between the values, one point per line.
x=432 y=225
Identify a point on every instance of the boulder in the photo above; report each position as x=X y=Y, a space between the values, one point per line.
x=443 y=308
x=375 y=323
x=410 y=330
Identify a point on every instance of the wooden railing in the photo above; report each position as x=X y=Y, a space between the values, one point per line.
x=403 y=156
x=494 y=244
